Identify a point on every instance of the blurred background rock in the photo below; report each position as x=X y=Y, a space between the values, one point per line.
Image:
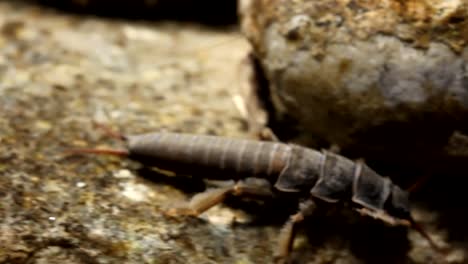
x=213 y=12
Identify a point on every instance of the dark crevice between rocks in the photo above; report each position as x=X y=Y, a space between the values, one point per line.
x=211 y=12
x=283 y=125
x=369 y=240
x=445 y=192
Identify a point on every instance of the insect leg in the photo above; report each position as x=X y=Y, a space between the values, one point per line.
x=109 y=132
x=114 y=152
x=266 y=134
x=287 y=233
x=204 y=201
x=334 y=148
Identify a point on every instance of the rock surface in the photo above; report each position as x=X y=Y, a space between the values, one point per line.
x=384 y=80
x=60 y=73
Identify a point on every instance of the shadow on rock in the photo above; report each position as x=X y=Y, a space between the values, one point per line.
x=370 y=240
x=179 y=10
x=446 y=193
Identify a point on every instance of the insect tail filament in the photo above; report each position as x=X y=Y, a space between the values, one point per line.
x=114 y=152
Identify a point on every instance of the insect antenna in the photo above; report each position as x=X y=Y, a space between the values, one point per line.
x=109 y=132
x=102 y=151
x=98 y=151
x=417 y=185
x=416 y=226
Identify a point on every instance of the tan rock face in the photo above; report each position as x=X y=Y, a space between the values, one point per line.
x=379 y=78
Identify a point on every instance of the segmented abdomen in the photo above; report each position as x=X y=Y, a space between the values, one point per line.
x=217 y=157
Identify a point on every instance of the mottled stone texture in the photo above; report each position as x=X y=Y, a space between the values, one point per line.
x=387 y=80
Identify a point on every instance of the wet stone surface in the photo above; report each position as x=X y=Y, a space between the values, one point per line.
x=60 y=73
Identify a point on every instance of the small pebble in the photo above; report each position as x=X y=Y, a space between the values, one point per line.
x=81 y=184
x=123 y=174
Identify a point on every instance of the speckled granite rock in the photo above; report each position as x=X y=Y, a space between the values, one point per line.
x=385 y=80
x=60 y=73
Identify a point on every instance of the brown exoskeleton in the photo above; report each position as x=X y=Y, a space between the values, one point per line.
x=264 y=168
